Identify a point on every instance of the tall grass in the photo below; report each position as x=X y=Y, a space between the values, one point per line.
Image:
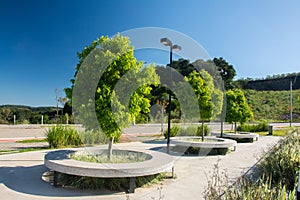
x=192 y=130
x=261 y=127
x=62 y=136
x=277 y=178
x=65 y=136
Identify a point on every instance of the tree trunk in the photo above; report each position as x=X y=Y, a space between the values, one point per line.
x=111 y=141
x=202 y=130
x=235 y=128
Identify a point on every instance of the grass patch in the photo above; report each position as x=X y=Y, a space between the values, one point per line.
x=118 y=156
x=3 y=152
x=32 y=141
x=278 y=132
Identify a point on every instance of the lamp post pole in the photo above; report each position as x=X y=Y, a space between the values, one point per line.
x=167 y=42
x=291 y=103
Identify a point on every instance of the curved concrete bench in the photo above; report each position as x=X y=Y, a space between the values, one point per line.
x=241 y=135
x=59 y=161
x=187 y=141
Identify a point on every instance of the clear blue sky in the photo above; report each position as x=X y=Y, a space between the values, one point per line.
x=39 y=38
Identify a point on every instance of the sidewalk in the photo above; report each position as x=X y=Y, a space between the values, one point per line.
x=20 y=175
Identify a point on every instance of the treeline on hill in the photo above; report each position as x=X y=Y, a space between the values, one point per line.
x=278 y=82
x=33 y=115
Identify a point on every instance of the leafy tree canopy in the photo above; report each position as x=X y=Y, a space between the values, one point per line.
x=110 y=62
x=238 y=109
x=227 y=72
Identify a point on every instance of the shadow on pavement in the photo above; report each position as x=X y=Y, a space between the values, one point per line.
x=28 y=180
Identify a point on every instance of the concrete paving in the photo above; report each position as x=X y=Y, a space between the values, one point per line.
x=20 y=174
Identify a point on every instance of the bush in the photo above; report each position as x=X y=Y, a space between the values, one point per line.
x=94 y=137
x=62 y=136
x=189 y=131
x=114 y=184
x=282 y=163
x=173 y=132
x=261 y=127
x=206 y=130
x=277 y=177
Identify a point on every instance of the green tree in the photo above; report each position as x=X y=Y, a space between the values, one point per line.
x=183 y=66
x=112 y=58
x=203 y=95
x=227 y=72
x=238 y=109
x=216 y=93
x=6 y=114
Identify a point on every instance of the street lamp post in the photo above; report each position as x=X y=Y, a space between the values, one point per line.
x=167 y=42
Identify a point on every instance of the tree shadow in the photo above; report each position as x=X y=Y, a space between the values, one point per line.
x=29 y=180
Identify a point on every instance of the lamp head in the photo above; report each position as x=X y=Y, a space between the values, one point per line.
x=176 y=47
x=166 y=42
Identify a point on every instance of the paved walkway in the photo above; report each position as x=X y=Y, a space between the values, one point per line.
x=20 y=174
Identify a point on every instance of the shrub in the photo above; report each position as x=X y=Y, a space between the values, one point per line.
x=206 y=130
x=62 y=136
x=189 y=131
x=114 y=184
x=277 y=178
x=282 y=163
x=94 y=137
x=173 y=132
x=261 y=127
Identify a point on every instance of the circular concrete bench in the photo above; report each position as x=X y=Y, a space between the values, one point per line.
x=189 y=141
x=59 y=161
x=242 y=135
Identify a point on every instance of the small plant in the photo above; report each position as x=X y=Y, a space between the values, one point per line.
x=206 y=130
x=261 y=127
x=189 y=131
x=62 y=136
x=174 y=131
x=117 y=157
x=93 y=137
x=217 y=183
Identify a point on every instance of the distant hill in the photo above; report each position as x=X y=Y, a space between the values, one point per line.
x=276 y=83
x=26 y=114
x=273 y=105
x=41 y=109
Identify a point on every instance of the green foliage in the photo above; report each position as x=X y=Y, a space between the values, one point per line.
x=26 y=114
x=203 y=95
x=227 y=72
x=174 y=131
x=273 y=105
x=62 y=136
x=261 y=127
x=114 y=184
x=277 y=178
x=216 y=94
x=188 y=131
x=93 y=137
x=237 y=107
x=278 y=82
x=118 y=156
x=282 y=163
x=206 y=130
x=113 y=59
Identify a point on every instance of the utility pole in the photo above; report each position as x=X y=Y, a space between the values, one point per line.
x=291 y=103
